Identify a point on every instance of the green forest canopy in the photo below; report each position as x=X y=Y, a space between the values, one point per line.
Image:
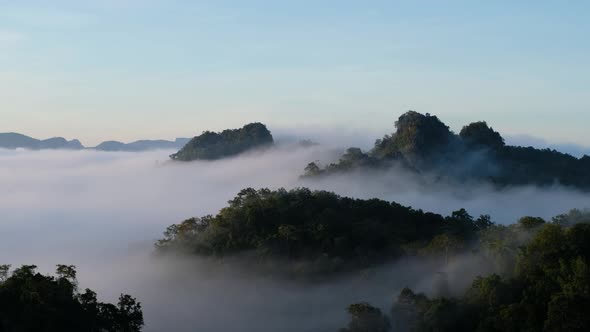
x=543 y=285
x=336 y=233
x=32 y=302
x=230 y=142
x=424 y=143
x=542 y=280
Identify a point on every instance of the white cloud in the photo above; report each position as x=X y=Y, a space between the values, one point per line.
x=102 y=212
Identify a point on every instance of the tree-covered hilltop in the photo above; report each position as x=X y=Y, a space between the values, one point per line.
x=32 y=302
x=329 y=232
x=211 y=145
x=535 y=273
x=419 y=138
x=542 y=285
x=425 y=144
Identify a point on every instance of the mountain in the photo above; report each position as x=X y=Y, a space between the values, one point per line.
x=15 y=141
x=230 y=142
x=111 y=146
x=424 y=144
x=314 y=232
x=142 y=145
x=61 y=143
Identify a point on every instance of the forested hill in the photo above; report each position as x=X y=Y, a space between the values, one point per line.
x=423 y=143
x=211 y=145
x=33 y=302
x=324 y=232
x=542 y=285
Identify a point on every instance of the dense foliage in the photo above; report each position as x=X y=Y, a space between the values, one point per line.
x=332 y=232
x=417 y=137
x=366 y=318
x=544 y=284
x=211 y=145
x=479 y=135
x=32 y=302
x=423 y=143
x=541 y=279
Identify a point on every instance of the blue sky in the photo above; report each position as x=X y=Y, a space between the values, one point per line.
x=116 y=69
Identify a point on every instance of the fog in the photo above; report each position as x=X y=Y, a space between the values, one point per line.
x=102 y=212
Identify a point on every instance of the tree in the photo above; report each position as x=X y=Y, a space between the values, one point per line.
x=68 y=273
x=4 y=269
x=575 y=216
x=445 y=245
x=568 y=313
x=130 y=314
x=31 y=302
x=312 y=169
x=288 y=233
x=483 y=222
x=408 y=310
x=529 y=223
x=500 y=244
x=366 y=318
x=480 y=135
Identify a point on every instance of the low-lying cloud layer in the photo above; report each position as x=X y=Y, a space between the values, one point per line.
x=102 y=212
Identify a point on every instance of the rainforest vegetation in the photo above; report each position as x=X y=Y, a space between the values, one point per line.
x=424 y=144
x=32 y=302
x=542 y=285
x=211 y=145
x=542 y=267
x=328 y=232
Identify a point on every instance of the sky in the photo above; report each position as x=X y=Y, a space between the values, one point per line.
x=131 y=69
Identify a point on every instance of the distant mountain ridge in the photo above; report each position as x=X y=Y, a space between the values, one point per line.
x=142 y=145
x=20 y=141
x=16 y=141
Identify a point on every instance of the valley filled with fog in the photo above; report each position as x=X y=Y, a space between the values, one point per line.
x=103 y=211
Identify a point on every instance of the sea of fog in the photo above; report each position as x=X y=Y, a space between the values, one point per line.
x=102 y=212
